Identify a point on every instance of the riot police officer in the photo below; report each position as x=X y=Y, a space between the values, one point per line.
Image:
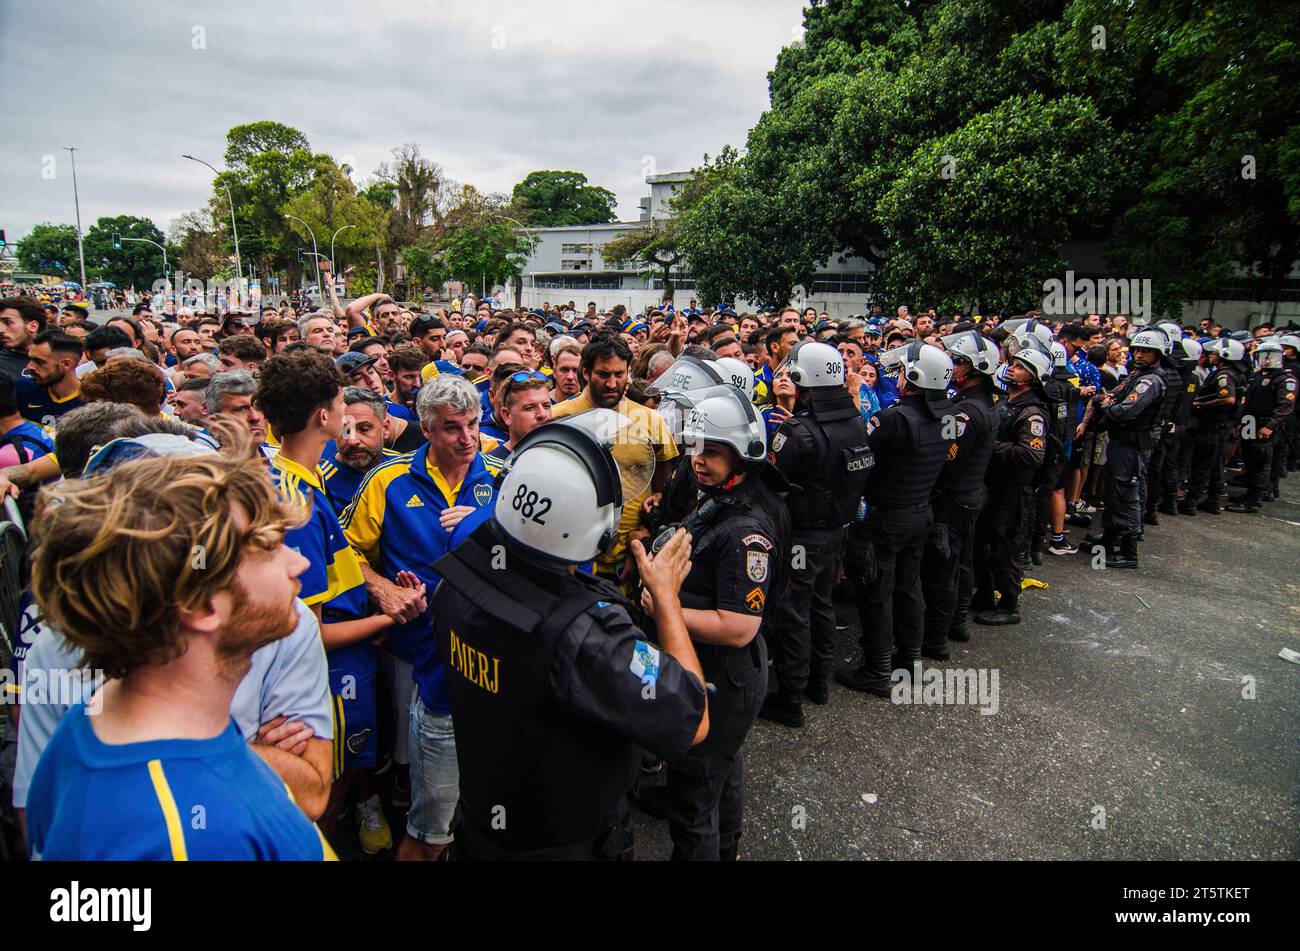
x=554 y=690
x=960 y=494
x=738 y=565
x=1270 y=400
x=1287 y=459
x=910 y=441
x=1131 y=413
x=1161 y=483
x=822 y=452
x=1214 y=409
x=1019 y=449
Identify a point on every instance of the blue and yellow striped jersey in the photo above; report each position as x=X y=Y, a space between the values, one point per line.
x=333 y=579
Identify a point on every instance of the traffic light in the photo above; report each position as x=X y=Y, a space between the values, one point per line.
x=117 y=241
x=300 y=255
x=2 y=237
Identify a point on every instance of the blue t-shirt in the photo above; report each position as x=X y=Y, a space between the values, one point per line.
x=36 y=403
x=162 y=800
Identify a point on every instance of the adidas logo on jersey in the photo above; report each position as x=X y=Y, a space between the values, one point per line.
x=414 y=503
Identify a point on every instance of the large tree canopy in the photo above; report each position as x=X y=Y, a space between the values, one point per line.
x=555 y=199
x=958 y=144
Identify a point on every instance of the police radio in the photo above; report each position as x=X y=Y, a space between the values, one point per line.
x=700 y=518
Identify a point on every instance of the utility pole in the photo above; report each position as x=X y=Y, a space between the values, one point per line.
x=72 y=150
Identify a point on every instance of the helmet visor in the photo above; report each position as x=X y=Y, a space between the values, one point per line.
x=627 y=440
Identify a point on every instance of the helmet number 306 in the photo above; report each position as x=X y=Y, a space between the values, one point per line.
x=530 y=504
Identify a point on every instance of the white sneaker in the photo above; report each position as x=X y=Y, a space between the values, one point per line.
x=1083 y=508
x=374 y=833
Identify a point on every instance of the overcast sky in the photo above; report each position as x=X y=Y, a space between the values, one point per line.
x=491 y=89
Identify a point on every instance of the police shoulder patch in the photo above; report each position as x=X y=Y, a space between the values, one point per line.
x=1142 y=386
x=756 y=565
x=755 y=600
x=757 y=538
x=778 y=441
x=645 y=662
x=1036 y=426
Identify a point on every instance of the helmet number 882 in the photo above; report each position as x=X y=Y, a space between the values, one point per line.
x=530 y=504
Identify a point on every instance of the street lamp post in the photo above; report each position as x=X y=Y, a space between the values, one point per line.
x=166 y=270
x=315 y=256
x=336 y=234
x=76 y=200
x=239 y=264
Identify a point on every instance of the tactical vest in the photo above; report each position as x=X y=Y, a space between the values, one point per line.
x=966 y=472
x=1149 y=419
x=1174 y=387
x=558 y=780
x=1262 y=397
x=828 y=497
x=1061 y=398
x=907 y=478
x=1218 y=420
x=1010 y=415
x=1186 y=392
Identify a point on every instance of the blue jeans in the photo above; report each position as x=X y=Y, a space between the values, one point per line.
x=435 y=775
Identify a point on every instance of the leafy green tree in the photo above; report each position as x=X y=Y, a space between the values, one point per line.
x=201 y=247
x=330 y=203
x=267 y=165
x=135 y=263
x=557 y=199
x=49 y=249
x=958 y=144
x=427 y=267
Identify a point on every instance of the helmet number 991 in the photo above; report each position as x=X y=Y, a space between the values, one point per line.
x=530 y=504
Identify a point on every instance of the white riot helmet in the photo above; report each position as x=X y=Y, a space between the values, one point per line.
x=1039 y=363
x=925 y=366
x=1227 y=349
x=1059 y=355
x=1268 y=355
x=1173 y=332
x=972 y=346
x=561 y=494
x=1029 y=327
x=815 y=365
x=1187 y=349
x=684 y=376
x=738 y=374
x=1024 y=340
x=1289 y=340
x=725 y=415
x=1150 y=339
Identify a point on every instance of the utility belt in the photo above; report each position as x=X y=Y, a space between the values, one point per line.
x=1144 y=440
x=720 y=657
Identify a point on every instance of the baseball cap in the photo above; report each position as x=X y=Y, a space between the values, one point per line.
x=149 y=446
x=350 y=363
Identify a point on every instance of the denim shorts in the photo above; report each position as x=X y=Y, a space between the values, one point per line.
x=435 y=775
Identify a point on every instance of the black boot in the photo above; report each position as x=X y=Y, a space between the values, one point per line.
x=872 y=676
x=1186 y=509
x=1150 y=518
x=960 y=629
x=817 y=691
x=1125 y=555
x=1209 y=507
x=1167 y=508
x=1008 y=612
x=783 y=708
x=1243 y=504
x=983 y=600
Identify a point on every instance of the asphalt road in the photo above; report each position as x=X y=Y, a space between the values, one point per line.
x=1121 y=691
x=1105 y=703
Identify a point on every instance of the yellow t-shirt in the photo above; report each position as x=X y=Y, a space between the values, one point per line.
x=642 y=420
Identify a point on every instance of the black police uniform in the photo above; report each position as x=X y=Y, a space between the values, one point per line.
x=1270 y=399
x=1282 y=446
x=1133 y=421
x=1213 y=425
x=1061 y=397
x=1173 y=404
x=733 y=562
x=822 y=452
x=554 y=691
x=948 y=583
x=911 y=441
x=1165 y=437
x=1018 y=451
